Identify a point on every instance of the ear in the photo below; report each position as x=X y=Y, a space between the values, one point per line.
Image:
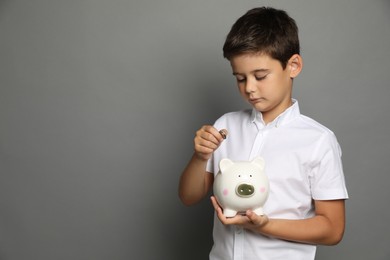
x=295 y=64
x=224 y=164
x=259 y=161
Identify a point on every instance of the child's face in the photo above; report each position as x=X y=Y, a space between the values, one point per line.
x=264 y=83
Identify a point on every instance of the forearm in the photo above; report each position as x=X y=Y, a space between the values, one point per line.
x=316 y=230
x=325 y=228
x=195 y=182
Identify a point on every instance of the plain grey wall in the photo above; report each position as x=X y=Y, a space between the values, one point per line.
x=100 y=100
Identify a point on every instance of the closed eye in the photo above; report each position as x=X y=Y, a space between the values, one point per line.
x=260 y=78
x=241 y=80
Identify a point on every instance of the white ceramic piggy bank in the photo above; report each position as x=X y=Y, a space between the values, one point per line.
x=240 y=186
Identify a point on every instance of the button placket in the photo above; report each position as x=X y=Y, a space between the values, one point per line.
x=238 y=243
x=258 y=143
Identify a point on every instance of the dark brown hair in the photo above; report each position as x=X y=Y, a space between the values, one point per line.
x=263 y=30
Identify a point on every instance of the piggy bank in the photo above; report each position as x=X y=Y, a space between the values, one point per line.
x=241 y=185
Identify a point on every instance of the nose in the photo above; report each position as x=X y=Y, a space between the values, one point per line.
x=245 y=190
x=250 y=86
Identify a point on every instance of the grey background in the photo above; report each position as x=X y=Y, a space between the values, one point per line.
x=100 y=100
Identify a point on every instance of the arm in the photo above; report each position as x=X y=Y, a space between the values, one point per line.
x=325 y=228
x=195 y=181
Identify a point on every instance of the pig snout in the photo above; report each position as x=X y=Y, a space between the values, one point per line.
x=245 y=190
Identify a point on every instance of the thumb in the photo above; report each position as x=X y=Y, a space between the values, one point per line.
x=256 y=219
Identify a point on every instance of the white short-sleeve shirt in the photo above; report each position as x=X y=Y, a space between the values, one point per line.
x=303 y=163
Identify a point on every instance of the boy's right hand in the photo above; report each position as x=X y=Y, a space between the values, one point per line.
x=207 y=140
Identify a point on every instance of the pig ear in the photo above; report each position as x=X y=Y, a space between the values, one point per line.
x=259 y=161
x=224 y=164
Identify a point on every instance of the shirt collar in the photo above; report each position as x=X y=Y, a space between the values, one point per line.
x=285 y=117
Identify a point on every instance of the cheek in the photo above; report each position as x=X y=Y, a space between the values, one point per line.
x=241 y=89
x=262 y=189
x=225 y=192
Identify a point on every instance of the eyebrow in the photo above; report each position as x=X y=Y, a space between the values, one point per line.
x=253 y=71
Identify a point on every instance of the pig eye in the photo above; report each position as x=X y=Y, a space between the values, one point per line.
x=239 y=176
x=250 y=175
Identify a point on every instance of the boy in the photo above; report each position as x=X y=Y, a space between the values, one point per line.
x=303 y=159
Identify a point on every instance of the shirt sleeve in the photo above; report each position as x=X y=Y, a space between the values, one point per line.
x=210 y=165
x=327 y=176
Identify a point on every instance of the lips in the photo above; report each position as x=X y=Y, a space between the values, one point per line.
x=256 y=100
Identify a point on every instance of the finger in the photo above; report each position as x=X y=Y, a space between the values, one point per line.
x=221 y=216
x=218 y=210
x=210 y=143
x=236 y=220
x=215 y=203
x=253 y=217
x=209 y=135
x=218 y=135
x=204 y=147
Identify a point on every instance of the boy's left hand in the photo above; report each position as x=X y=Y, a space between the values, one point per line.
x=250 y=220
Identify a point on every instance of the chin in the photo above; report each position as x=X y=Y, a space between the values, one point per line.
x=259 y=107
